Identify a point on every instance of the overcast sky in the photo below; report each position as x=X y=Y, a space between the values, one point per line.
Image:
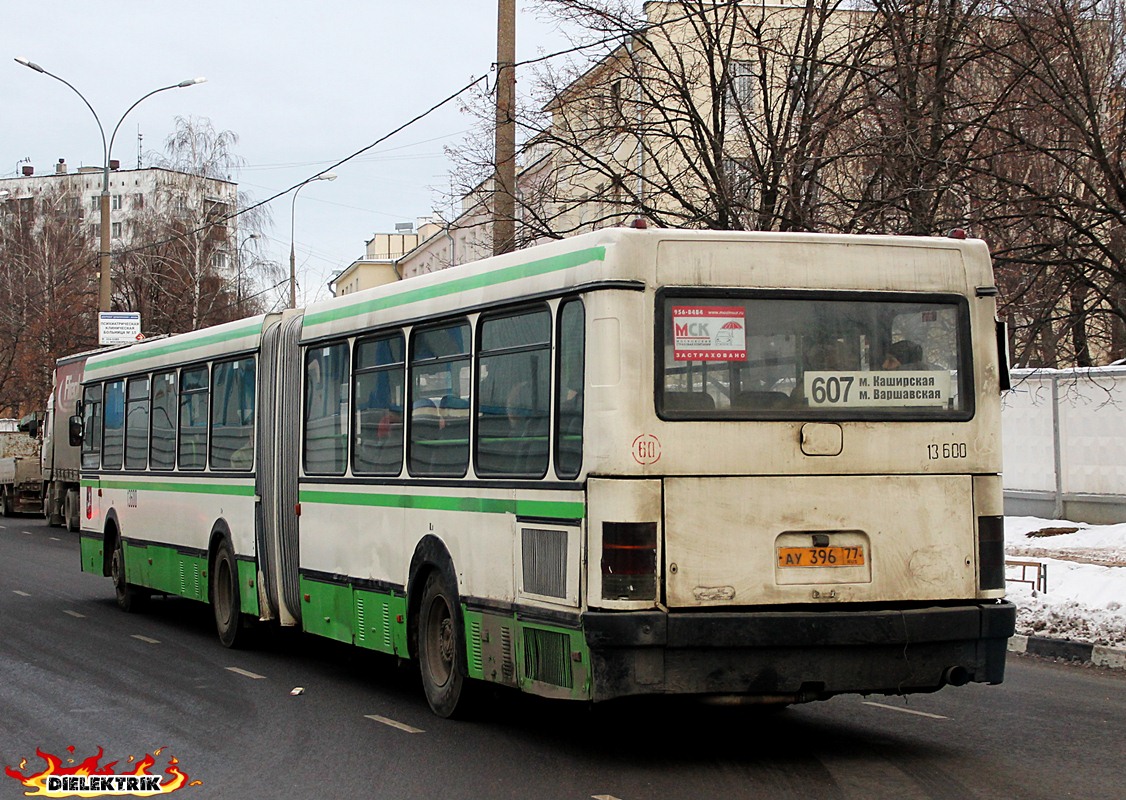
x=303 y=84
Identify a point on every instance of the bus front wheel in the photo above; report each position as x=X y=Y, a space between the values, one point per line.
x=129 y=597
x=224 y=592
x=441 y=647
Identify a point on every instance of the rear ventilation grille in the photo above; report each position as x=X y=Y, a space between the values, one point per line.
x=508 y=663
x=476 y=657
x=544 y=555
x=547 y=657
x=189 y=579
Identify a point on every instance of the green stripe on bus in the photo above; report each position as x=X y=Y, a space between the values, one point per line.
x=174 y=346
x=492 y=278
x=484 y=505
x=187 y=488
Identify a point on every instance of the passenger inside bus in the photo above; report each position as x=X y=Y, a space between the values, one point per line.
x=904 y=354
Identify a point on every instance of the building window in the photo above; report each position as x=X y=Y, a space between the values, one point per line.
x=115 y=202
x=741 y=87
x=115 y=230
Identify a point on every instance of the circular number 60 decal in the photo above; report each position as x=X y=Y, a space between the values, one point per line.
x=646 y=449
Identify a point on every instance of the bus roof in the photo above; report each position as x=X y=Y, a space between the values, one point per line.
x=663 y=257
x=231 y=337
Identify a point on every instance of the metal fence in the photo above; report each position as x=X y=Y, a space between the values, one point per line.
x=1065 y=444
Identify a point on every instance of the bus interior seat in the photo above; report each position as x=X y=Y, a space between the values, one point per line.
x=755 y=399
x=689 y=401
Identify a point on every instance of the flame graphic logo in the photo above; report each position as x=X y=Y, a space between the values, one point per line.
x=40 y=783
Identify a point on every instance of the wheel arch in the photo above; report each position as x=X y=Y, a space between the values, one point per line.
x=111 y=532
x=220 y=531
x=430 y=555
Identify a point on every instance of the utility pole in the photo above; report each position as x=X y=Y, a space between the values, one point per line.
x=504 y=154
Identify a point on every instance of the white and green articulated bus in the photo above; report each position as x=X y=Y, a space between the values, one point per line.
x=632 y=462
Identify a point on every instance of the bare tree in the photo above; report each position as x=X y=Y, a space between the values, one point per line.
x=48 y=293
x=186 y=263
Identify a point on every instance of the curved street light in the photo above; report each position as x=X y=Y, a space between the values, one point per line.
x=238 y=280
x=324 y=176
x=104 y=285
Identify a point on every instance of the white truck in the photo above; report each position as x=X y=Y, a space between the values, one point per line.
x=21 y=477
x=60 y=458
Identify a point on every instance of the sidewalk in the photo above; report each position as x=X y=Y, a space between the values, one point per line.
x=1068 y=650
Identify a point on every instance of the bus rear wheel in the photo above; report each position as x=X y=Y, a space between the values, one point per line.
x=129 y=597
x=224 y=592
x=441 y=647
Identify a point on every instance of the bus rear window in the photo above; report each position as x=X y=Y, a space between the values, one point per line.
x=842 y=356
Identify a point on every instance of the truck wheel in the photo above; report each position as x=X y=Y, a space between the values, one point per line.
x=70 y=511
x=5 y=503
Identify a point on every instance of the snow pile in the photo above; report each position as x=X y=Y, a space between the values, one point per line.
x=1086 y=596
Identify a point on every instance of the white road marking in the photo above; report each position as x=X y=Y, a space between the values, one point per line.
x=400 y=725
x=54 y=538
x=603 y=797
x=246 y=674
x=905 y=710
x=74 y=614
x=21 y=594
x=27 y=533
x=146 y=639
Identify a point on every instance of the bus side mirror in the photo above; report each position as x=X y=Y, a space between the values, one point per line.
x=75 y=430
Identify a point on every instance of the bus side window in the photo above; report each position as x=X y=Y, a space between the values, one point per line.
x=192 y=450
x=137 y=423
x=326 y=409
x=113 y=436
x=232 y=415
x=439 y=401
x=378 y=401
x=162 y=447
x=514 y=394
x=92 y=427
x=571 y=369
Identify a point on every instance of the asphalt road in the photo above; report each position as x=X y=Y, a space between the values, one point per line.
x=76 y=672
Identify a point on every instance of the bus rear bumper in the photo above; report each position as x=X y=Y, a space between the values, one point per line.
x=795 y=656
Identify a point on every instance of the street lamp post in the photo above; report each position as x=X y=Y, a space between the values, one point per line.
x=238 y=276
x=324 y=176
x=104 y=285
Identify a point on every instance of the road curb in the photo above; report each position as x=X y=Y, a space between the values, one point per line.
x=1069 y=650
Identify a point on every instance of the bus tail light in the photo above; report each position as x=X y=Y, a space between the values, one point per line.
x=991 y=552
x=629 y=560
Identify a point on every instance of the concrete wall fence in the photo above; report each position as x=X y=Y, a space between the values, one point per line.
x=1065 y=444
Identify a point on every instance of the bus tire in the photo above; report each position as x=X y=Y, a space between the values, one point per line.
x=129 y=598
x=441 y=647
x=224 y=594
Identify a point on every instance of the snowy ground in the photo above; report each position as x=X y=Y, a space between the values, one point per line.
x=1086 y=595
